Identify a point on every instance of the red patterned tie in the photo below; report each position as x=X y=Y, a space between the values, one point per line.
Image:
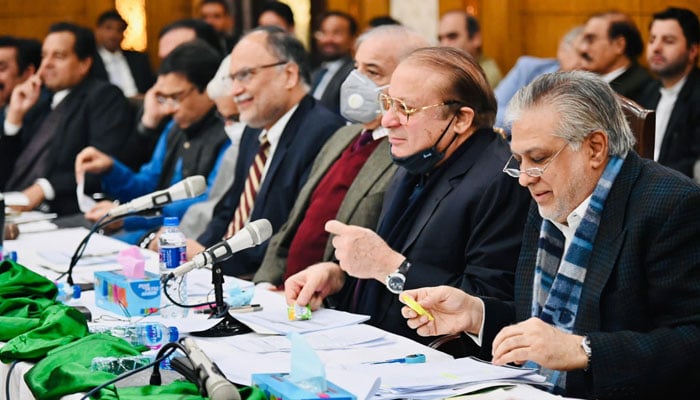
x=250 y=191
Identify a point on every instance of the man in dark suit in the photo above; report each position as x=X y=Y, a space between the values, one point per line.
x=19 y=60
x=610 y=46
x=353 y=170
x=449 y=217
x=672 y=53
x=334 y=39
x=285 y=130
x=129 y=70
x=608 y=285
x=82 y=111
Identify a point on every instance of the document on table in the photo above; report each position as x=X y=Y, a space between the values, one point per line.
x=275 y=320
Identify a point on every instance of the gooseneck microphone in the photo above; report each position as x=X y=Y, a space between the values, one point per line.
x=251 y=235
x=215 y=383
x=185 y=189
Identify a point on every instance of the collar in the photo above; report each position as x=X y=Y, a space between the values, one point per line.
x=611 y=76
x=106 y=54
x=197 y=126
x=332 y=66
x=573 y=220
x=58 y=97
x=675 y=89
x=275 y=132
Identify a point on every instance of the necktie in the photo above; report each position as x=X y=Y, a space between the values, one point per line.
x=364 y=138
x=250 y=190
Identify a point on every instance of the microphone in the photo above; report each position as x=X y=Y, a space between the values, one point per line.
x=251 y=235
x=215 y=383
x=185 y=189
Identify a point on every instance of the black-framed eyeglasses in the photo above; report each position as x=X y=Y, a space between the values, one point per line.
x=244 y=75
x=534 y=172
x=174 y=99
x=403 y=111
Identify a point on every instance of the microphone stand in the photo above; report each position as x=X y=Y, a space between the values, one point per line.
x=228 y=326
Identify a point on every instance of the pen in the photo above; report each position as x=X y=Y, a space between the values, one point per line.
x=248 y=308
x=409 y=359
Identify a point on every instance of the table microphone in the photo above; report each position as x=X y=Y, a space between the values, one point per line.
x=185 y=189
x=215 y=383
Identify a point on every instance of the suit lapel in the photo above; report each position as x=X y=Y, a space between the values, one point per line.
x=680 y=109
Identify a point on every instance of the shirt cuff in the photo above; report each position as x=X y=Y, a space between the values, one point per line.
x=45 y=185
x=479 y=339
x=11 y=129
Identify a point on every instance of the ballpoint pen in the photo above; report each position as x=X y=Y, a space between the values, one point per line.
x=409 y=359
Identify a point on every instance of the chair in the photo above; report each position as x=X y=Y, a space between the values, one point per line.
x=643 y=125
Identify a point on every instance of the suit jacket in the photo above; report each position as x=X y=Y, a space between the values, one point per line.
x=680 y=148
x=139 y=65
x=466 y=234
x=96 y=114
x=632 y=82
x=306 y=132
x=331 y=95
x=361 y=205
x=640 y=299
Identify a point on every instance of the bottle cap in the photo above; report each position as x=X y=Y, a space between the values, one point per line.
x=173 y=333
x=76 y=291
x=171 y=221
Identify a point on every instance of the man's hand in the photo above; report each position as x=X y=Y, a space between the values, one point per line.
x=24 y=96
x=538 y=341
x=193 y=246
x=312 y=285
x=362 y=253
x=93 y=161
x=35 y=195
x=453 y=311
x=100 y=209
x=153 y=111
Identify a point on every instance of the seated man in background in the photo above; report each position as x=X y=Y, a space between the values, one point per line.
x=81 y=111
x=527 y=68
x=449 y=217
x=352 y=171
x=286 y=128
x=192 y=145
x=19 y=60
x=607 y=288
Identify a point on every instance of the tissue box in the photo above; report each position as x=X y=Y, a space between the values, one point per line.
x=127 y=296
x=277 y=387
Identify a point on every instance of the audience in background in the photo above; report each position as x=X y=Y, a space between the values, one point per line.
x=19 y=60
x=353 y=170
x=81 y=111
x=334 y=40
x=193 y=144
x=184 y=30
x=276 y=13
x=672 y=54
x=610 y=46
x=382 y=20
x=285 y=130
x=129 y=70
x=461 y=30
x=217 y=14
x=450 y=216
x=527 y=68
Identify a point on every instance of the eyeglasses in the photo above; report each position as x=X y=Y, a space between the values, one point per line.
x=246 y=74
x=175 y=99
x=534 y=172
x=402 y=111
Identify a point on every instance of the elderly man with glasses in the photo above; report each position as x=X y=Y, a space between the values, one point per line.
x=450 y=215
x=607 y=289
x=193 y=143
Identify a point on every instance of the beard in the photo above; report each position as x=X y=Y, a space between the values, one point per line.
x=673 y=68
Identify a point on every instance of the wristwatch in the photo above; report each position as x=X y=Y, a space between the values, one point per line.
x=586 y=347
x=396 y=280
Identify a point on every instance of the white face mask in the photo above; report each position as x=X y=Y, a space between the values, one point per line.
x=234 y=131
x=359 y=98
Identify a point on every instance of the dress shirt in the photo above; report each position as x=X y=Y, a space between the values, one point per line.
x=118 y=70
x=331 y=68
x=663 y=112
x=611 y=76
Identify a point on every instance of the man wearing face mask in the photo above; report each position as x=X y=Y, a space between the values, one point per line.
x=449 y=217
x=352 y=171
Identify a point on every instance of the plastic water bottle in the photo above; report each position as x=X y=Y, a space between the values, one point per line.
x=150 y=334
x=67 y=294
x=172 y=249
x=119 y=365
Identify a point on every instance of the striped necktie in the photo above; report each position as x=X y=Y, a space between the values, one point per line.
x=250 y=190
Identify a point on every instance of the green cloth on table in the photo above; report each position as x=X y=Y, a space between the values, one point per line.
x=31 y=321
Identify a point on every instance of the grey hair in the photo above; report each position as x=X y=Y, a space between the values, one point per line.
x=406 y=39
x=584 y=102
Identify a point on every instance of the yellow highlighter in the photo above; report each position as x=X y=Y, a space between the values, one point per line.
x=415 y=306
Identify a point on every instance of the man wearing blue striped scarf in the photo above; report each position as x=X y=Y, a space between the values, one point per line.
x=608 y=281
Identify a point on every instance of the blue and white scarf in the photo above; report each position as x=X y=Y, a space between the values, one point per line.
x=557 y=288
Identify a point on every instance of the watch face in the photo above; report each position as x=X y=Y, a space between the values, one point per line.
x=395 y=282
